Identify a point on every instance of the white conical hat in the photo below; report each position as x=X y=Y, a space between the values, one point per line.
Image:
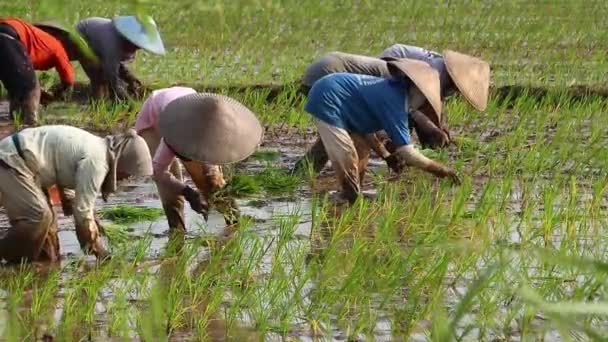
x=424 y=77
x=471 y=76
x=144 y=35
x=210 y=128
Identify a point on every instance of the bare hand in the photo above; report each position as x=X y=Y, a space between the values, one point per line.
x=451 y=174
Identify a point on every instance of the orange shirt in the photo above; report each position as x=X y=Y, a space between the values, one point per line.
x=44 y=50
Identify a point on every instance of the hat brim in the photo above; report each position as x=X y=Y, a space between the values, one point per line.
x=143 y=36
x=425 y=78
x=471 y=76
x=210 y=128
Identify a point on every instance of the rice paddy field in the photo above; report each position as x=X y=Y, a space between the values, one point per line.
x=517 y=252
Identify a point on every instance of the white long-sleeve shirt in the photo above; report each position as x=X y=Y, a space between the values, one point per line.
x=66 y=156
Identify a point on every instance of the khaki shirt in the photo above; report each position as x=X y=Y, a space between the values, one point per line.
x=65 y=156
x=335 y=62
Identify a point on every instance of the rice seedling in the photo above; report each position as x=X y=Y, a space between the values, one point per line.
x=125 y=214
x=517 y=252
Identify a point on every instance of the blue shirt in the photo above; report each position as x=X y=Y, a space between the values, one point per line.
x=362 y=104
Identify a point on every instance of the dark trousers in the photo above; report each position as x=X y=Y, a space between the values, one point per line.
x=18 y=76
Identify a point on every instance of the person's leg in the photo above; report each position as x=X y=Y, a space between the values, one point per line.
x=29 y=214
x=363 y=152
x=343 y=155
x=98 y=84
x=316 y=158
x=31 y=103
x=50 y=250
x=173 y=204
x=19 y=78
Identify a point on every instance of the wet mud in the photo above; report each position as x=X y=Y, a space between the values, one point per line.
x=290 y=144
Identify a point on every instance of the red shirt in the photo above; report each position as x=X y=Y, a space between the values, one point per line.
x=44 y=50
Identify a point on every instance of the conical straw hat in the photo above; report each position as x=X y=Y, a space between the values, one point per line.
x=471 y=76
x=424 y=77
x=134 y=157
x=144 y=35
x=210 y=128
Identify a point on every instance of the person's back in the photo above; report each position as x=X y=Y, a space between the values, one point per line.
x=359 y=103
x=57 y=152
x=102 y=37
x=432 y=58
x=337 y=62
x=41 y=46
x=409 y=51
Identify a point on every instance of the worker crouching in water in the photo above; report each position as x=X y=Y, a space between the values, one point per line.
x=25 y=48
x=35 y=159
x=115 y=43
x=458 y=73
x=349 y=107
x=203 y=131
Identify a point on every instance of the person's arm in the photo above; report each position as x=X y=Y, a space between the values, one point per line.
x=89 y=177
x=66 y=75
x=163 y=158
x=67 y=199
x=133 y=84
x=412 y=157
x=396 y=126
x=428 y=133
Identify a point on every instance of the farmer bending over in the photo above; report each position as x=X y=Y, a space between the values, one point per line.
x=203 y=131
x=35 y=159
x=25 y=48
x=457 y=73
x=348 y=107
x=115 y=43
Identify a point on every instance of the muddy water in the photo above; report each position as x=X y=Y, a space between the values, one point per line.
x=261 y=210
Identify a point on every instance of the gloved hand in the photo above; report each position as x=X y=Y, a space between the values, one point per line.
x=197 y=203
x=394 y=163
